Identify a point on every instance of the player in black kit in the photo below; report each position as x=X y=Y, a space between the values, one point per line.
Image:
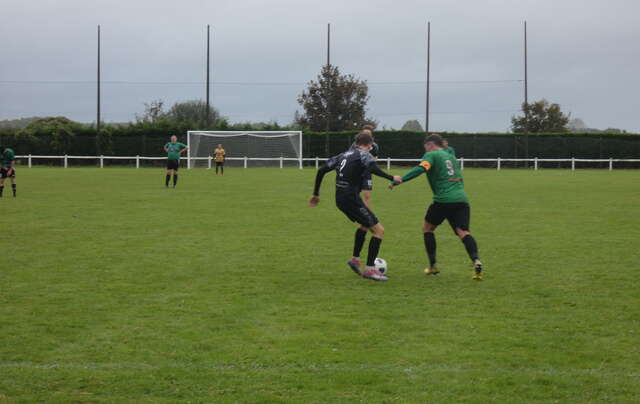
x=351 y=167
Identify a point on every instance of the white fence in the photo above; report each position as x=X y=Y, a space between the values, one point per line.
x=535 y=162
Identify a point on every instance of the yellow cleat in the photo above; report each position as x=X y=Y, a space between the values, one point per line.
x=477 y=270
x=432 y=270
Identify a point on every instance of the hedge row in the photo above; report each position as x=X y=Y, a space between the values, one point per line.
x=397 y=144
x=486 y=145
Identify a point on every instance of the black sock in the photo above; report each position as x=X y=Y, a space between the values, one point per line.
x=222 y=170
x=1 y=189
x=471 y=246
x=175 y=179
x=217 y=168
x=374 y=247
x=430 y=246
x=13 y=186
x=359 y=242
x=166 y=181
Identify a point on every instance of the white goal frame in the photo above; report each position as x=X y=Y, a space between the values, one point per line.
x=235 y=133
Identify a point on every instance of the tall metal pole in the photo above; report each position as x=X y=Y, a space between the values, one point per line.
x=526 y=82
x=426 y=120
x=526 y=97
x=208 y=64
x=98 y=83
x=328 y=44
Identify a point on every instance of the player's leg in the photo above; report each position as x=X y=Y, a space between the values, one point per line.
x=353 y=207
x=13 y=183
x=169 y=172
x=176 y=165
x=367 y=187
x=461 y=219
x=370 y=271
x=222 y=168
x=217 y=167
x=434 y=217
x=366 y=197
x=358 y=243
x=2 y=177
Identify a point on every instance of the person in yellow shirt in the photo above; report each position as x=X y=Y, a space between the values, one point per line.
x=218 y=155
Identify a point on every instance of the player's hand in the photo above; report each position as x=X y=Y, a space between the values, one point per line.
x=314 y=201
x=397 y=180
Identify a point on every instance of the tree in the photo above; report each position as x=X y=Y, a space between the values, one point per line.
x=62 y=131
x=540 y=117
x=412 y=126
x=193 y=112
x=577 y=125
x=334 y=102
x=153 y=111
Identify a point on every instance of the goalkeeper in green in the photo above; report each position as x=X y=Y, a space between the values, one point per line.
x=449 y=201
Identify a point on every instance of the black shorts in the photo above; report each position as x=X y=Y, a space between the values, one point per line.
x=367 y=183
x=173 y=164
x=354 y=208
x=458 y=214
x=219 y=163
x=4 y=173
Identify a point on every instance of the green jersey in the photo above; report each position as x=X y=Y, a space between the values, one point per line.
x=173 y=150
x=450 y=150
x=443 y=173
x=8 y=157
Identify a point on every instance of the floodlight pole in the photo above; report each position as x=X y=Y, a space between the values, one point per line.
x=526 y=97
x=208 y=111
x=426 y=120
x=329 y=44
x=98 y=90
x=328 y=112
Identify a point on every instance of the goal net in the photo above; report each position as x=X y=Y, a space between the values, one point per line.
x=246 y=148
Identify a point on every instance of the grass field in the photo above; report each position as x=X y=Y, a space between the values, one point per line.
x=230 y=289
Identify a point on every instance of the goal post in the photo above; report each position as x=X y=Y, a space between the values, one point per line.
x=255 y=148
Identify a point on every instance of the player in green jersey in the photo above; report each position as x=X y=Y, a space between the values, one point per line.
x=7 y=170
x=173 y=149
x=447 y=148
x=449 y=201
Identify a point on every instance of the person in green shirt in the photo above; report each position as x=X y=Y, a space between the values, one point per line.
x=449 y=201
x=7 y=170
x=173 y=149
x=447 y=148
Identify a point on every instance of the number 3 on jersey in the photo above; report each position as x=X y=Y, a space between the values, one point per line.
x=450 y=170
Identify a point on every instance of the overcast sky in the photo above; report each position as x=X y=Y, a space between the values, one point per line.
x=583 y=54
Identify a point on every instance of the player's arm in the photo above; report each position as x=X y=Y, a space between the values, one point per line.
x=375 y=170
x=185 y=148
x=166 y=149
x=423 y=167
x=322 y=171
x=370 y=164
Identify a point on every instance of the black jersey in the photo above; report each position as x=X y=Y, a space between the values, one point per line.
x=351 y=168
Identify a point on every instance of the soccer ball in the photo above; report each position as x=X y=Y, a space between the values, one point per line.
x=381 y=265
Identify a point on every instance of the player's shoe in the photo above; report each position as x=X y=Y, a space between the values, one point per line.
x=477 y=270
x=431 y=270
x=354 y=264
x=374 y=275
